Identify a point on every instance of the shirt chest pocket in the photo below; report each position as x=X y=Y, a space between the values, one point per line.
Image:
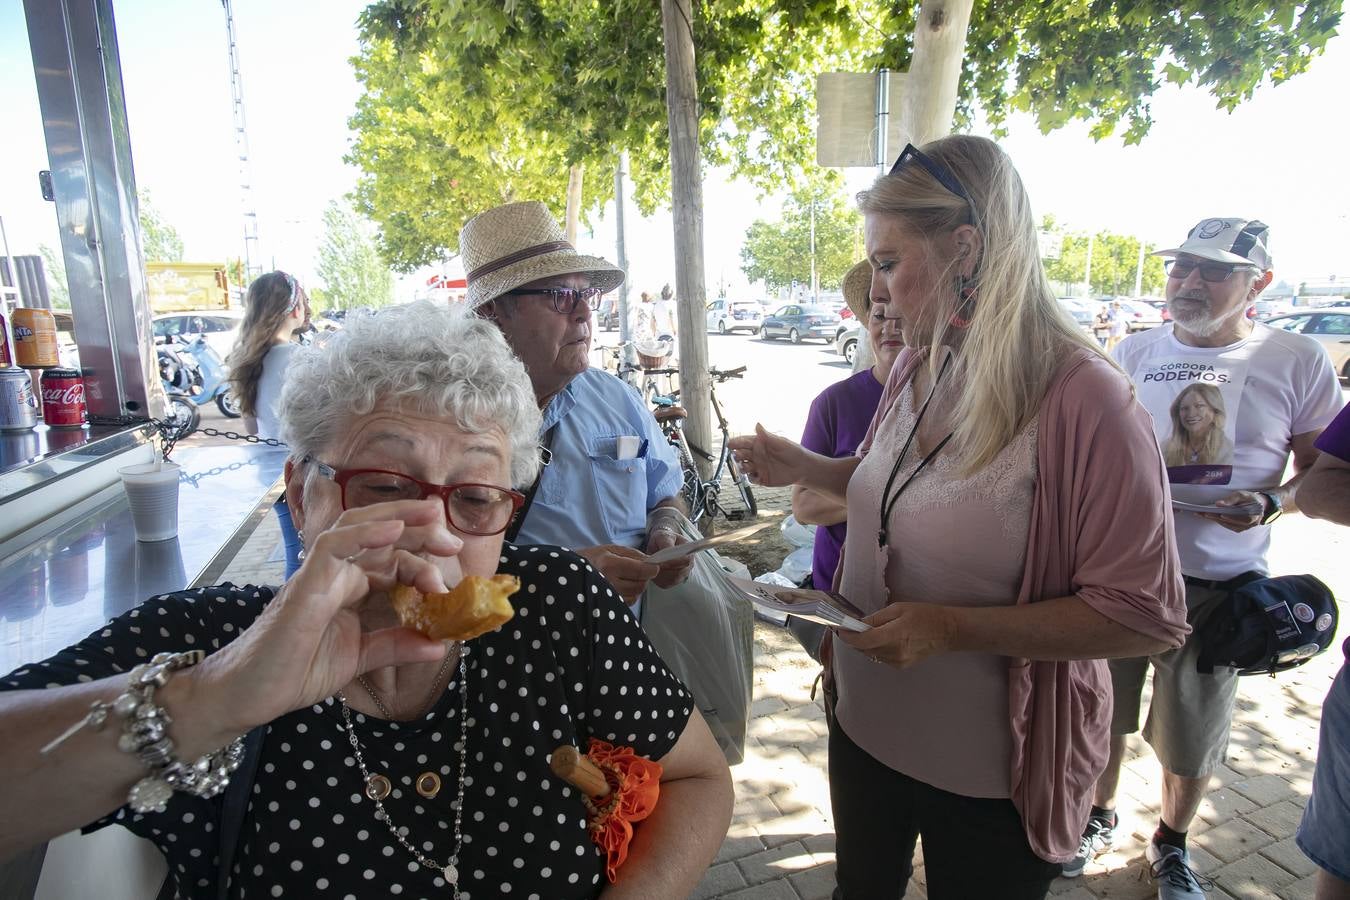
x=620 y=486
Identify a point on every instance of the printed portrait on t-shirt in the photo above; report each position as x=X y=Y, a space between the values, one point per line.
x=1194 y=403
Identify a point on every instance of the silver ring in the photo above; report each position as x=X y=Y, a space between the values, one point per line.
x=351 y=559
x=874 y=659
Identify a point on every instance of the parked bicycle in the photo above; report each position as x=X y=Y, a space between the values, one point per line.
x=704 y=498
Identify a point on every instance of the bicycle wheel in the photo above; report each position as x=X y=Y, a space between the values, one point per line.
x=747 y=494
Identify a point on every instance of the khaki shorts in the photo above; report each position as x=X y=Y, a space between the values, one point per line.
x=1190 y=713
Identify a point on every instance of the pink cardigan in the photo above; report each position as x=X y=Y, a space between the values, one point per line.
x=1101 y=529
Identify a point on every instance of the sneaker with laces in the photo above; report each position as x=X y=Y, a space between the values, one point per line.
x=1098 y=836
x=1171 y=868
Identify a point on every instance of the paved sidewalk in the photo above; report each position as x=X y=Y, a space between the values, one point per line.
x=781 y=842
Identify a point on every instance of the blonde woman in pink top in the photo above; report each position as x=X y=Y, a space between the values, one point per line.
x=1008 y=531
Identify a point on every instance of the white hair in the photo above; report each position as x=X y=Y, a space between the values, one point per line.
x=438 y=360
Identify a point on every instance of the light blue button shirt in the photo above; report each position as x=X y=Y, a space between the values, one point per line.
x=587 y=495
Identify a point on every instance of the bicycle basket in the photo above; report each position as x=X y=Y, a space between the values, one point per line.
x=652 y=354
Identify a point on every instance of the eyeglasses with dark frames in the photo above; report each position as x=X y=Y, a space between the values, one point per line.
x=470 y=508
x=912 y=154
x=1214 y=273
x=565 y=300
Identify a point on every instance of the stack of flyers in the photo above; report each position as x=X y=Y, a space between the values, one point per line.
x=825 y=607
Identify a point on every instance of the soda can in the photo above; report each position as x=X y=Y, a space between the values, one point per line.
x=18 y=408
x=34 y=338
x=63 y=398
x=4 y=345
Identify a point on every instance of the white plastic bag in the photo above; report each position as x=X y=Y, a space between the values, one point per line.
x=704 y=630
x=797 y=565
x=797 y=534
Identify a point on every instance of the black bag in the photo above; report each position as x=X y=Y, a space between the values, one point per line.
x=1268 y=625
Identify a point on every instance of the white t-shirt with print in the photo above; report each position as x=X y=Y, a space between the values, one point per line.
x=1228 y=416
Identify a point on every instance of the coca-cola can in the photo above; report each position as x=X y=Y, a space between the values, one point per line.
x=18 y=408
x=63 y=398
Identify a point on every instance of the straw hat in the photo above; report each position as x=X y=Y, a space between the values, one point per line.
x=857 y=287
x=511 y=245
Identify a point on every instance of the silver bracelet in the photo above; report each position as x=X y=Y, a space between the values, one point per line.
x=145 y=735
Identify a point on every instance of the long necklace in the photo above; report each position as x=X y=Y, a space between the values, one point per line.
x=449 y=870
x=888 y=500
x=435 y=683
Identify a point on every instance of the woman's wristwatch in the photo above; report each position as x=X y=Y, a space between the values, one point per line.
x=1274 y=508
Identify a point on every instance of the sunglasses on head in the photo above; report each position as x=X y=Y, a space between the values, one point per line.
x=912 y=154
x=565 y=300
x=1214 y=273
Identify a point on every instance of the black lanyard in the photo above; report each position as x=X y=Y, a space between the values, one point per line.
x=545 y=457
x=888 y=500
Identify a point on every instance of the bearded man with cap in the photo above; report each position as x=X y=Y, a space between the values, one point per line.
x=1272 y=393
x=610 y=490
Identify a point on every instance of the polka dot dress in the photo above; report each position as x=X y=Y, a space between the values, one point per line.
x=572 y=664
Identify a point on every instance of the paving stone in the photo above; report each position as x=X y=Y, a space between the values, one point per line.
x=815 y=883
x=820 y=844
x=1233 y=840
x=1222 y=805
x=767 y=705
x=1303 y=889
x=1286 y=855
x=736 y=847
x=777 y=862
x=718 y=881
x=1264 y=789
x=1129 y=883
x=1253 y=877
x=1280 y=820
x=771 y=890
x=1075 y=891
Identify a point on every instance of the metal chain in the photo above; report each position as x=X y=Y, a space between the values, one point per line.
x=169 y=434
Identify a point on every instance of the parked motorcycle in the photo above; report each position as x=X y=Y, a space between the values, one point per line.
x=176 y=377
x=203 y=376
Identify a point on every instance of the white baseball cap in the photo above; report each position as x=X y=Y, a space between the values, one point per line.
x=1237 y=241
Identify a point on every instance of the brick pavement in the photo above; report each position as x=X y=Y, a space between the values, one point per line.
x=780 y=845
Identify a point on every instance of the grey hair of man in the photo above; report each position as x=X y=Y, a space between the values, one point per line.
x=439 y=361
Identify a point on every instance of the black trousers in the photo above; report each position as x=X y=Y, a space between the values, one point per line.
x=972 y=847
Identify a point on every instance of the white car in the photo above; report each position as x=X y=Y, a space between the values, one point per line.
x=846 y=341
x=725 y=316
x=220 y=326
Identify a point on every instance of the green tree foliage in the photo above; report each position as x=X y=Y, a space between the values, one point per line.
x=159 y=240
x=780 y=252
x=1114 y=260
x=470 y=103
x=350 y=266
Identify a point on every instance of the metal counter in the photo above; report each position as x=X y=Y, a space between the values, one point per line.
x=59 y=588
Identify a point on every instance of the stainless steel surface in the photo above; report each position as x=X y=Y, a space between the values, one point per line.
x=62 y=587
x=79 y=82
x=30 y=459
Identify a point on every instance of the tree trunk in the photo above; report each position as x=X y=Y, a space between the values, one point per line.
x=686 y=188
x=621 y=245
x=929 y=100
x=573 y=203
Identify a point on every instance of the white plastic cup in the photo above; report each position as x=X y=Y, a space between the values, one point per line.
x=152 y=495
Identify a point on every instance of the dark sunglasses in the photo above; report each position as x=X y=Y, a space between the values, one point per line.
x=1214 y=273
x=479 y=509
x=912 y=154
x=565 y=300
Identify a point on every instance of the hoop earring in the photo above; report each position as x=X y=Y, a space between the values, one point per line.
x=965 y=290
x=300 y=554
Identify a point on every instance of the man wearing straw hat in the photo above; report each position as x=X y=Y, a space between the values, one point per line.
x=611 y=488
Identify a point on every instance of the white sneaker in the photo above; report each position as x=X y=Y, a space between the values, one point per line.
x=1098 y=836
x=1171 y=868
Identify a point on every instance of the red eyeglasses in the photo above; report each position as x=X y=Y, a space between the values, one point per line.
x=478 y=509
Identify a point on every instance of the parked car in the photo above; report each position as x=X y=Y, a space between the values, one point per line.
x=1139 y=316
x=1084 y=312
x=798 y=322
x=1329 y=327
x=846 y=341
x=725 y=316
x=1264 y=309
x=219 y=326
x=607 y=316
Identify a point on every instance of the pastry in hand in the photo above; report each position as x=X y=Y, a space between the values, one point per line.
x=474 y=606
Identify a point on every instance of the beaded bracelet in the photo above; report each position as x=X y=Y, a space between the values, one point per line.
x=145 y=735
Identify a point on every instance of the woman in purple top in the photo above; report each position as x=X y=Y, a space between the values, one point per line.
x=839 y=418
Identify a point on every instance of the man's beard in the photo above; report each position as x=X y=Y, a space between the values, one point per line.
x=1199 y=320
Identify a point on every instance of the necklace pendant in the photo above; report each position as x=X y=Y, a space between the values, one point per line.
x=429 y=785
x=378 y=787
x=451 y=875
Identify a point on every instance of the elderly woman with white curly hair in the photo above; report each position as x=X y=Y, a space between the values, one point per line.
x=339 y=753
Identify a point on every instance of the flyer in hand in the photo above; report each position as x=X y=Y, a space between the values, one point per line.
x=1242 y=509
x=825 y=607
